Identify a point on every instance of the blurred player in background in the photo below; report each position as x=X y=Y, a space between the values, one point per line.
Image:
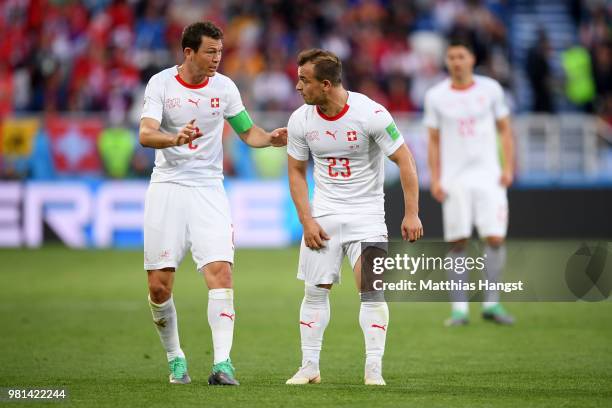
x=186 y=207
x=347 y=134
x=464 y=114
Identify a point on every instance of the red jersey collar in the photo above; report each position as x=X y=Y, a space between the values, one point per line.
x=190 y=86
x=463 y=87
x=335 y=117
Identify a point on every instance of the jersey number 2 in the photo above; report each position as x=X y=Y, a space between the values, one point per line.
x=346 y=172
x=191 y=145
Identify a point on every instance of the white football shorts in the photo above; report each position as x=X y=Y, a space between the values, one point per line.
x=346 y=232
x=484 y=205
x=178 y=218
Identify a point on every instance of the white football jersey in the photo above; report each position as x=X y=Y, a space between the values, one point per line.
x=348 y=154
x=468 y=133
x=173 y=103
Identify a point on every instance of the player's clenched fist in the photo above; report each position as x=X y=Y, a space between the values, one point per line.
x=278 y=137
x=187 y=134
x=314 y=235
x=412 y=229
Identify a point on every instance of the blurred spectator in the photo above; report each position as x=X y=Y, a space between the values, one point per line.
x=539 y=73
x=116 y=146
x=602 y=69
x=272 y=88
x=399 y=100
x=6 y=90
x=579 y=85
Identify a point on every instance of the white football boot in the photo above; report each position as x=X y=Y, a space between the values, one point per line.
x=307 y=374
x=373 y=374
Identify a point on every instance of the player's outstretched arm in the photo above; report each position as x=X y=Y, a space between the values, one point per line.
x=433 y=159
x=257 y=137
x=505 y=130
x=412 y=229
x=151 y=136
x=314 y=235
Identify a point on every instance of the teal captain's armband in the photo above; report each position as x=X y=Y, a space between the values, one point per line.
x=241 y=122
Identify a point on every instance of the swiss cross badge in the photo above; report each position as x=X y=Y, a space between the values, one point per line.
x=351 y=136
x=214 y=102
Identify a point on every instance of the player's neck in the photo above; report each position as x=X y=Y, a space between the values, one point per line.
x=463 y=82
x=335 y=102
x=190 y=77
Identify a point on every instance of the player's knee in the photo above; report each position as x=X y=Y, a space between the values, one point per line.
x=316 y=294
x=159 y=292
x=495 y=242
x=218 y=275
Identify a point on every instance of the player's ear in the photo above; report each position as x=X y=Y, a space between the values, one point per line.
x=326 y=84
x=188 y=52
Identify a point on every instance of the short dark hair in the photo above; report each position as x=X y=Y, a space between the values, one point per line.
x=461 y=42
x=326 y=64
x=192 y=34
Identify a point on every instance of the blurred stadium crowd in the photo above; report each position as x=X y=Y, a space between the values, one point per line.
x=96 y=56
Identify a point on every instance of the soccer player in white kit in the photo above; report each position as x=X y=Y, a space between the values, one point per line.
x=464 y=114
x=348 y=135
x=186 y=207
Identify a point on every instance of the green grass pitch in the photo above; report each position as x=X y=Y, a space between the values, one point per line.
x=79 y=319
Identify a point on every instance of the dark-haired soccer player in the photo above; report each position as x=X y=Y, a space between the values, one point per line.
x=464 y=114
x=186 y=207
x=348 y=136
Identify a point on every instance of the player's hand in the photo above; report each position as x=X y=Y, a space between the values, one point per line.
x=314 y=235
x=412 y=229
x=506 y=178
x=187 y=134
x=278 y=137
x=437 y=192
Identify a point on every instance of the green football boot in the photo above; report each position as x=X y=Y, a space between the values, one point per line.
x=223 y=373
x=498 y=314
x=457 y=318
x=178 y=371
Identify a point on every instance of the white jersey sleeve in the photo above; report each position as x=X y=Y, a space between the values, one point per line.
x=430 y=116
x=234 y=103
x=384 y=131
x=500 y=109
x=296 y=139
x=153 y=106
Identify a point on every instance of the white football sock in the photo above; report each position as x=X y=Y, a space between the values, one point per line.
x=495 y=261
x=459 y=297
x=165 y=319
x=374 y=320
x=221 y=317
x=314 y=318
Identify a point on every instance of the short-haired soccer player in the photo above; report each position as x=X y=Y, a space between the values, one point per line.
x=186 y=207
x=464 y=114
x=348 y=136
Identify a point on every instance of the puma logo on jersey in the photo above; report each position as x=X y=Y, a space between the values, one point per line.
x=332 y=134
x=194 y=102
x=382 y=327
x=378 y=111
x=307 y=324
